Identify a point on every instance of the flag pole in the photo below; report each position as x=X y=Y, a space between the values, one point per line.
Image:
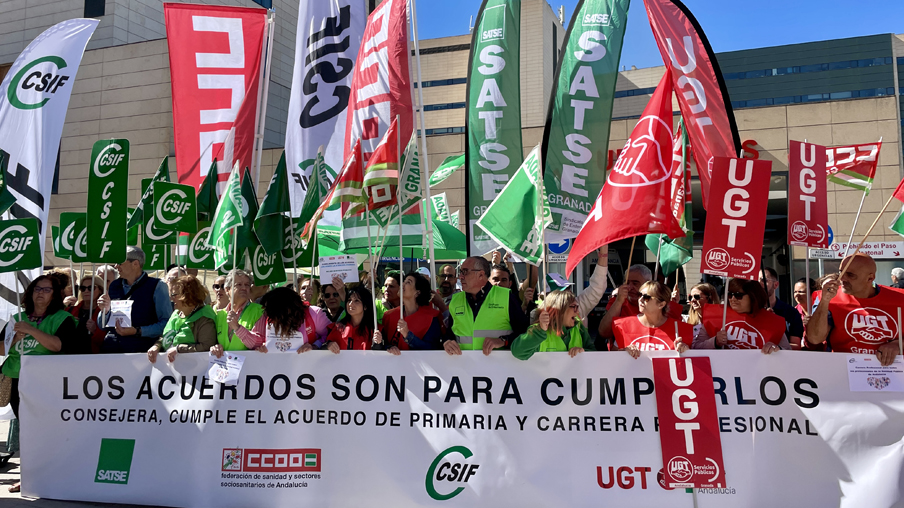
x=425 y=167
x=313 y=255
x=235 y=263
x=900 y=332
x=370 y=254
x=91 y=298
x=71 y=274
x=658 y=253
x=856 y=217
x=399 y=199
x=263 y=94
x=807 y=282
x=103 y=315
x=292 y=248
x=868 y=231
x=630 y=257
x=725 y=304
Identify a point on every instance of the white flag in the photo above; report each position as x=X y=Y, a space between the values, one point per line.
x=34 y=97
x=326 y=46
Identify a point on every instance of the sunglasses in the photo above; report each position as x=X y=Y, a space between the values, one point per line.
x=83 y=288
x=696 y=297
x=218 y=286
x=331 y=295
x=736 y=296
x=646 y=298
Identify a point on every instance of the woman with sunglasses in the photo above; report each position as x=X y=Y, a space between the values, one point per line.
x=91 y=336
x=44 y=328
x=421 y=326
x=236 y=323
x=192 y=327
x=700 y=295
x=652 y=329
x=332 y=300
x=355 y=330
x=748 y=323
x=558 y=328
x=220 y=296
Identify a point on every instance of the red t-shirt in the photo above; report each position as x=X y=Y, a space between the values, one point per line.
x=628 y=309
x=418 y=324
x=745 y=331
x=861 y=325
x=630 y=331
x=347 y=336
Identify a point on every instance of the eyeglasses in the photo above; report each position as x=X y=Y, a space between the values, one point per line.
x=40 y=289
x=83 y=288
x=646 y=298
x=736 y=296
x=446 y=276
x=218 y=286
x=463 y=272
x=331 y=295
x=697 y=297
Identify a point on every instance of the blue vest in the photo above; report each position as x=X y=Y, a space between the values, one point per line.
x=144 y=313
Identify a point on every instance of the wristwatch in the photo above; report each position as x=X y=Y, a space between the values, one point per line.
x=138 y=331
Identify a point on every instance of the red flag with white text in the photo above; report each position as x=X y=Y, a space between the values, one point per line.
x=636 y=199
x=215 y=59
x=853 y=166
x=698 y=83
x=808 y=212
x=381 y=85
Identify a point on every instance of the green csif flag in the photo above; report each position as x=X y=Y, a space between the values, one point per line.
x=192 y=251
x=275 y=211
x=157 y=257
x=137 y=218
x=107 y=210
x=493 y=127
x=206 y=200
x=151 y=234
x=174 y=207
x=21 y=248
x=576 y=138
x=67 y=233
x=266 y=268
x=6 y=198
x=57 y=248
x=516 y=218
x=227 y=216
x=245 y=232
x=80 y=243
x=450 y=165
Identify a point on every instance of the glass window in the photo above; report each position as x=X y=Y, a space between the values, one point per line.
x=842 y=65
x=94 y=8
x=756 y=74
x=840 y=95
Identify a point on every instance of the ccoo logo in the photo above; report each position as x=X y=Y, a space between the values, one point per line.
x=871 y=325
x=452 y=472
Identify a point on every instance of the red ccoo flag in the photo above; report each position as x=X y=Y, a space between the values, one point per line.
x=636 y=199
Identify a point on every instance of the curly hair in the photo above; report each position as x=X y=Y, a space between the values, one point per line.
x=422 y=286
x=193 y=293
x=56 y=297
x=285 y=310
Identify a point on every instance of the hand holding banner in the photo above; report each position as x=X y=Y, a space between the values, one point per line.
x=808 y=214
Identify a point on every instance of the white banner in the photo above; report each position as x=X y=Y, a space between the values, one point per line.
x=370 y=429
x=34 y=97
x=326 y=46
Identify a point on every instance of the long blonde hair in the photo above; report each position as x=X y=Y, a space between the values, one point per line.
x=555 y=303
x=709 y=291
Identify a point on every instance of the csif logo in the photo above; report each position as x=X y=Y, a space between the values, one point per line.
x=448 y=471
x=14 y=243
x=114 y=463
x=198 y=250
x=34 y=79
x=108 y=159
x=174 y=202
x=261 y=261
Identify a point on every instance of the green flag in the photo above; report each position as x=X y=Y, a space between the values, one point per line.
x=245 y=232
x=441 y=207
x=318 y=187
x=228 y=213
x=580 y=112
x=514 y=219
x=267 y=268
x=162 y=175
x=67 y=233
x=157 y=257
x=450 y=165
x=493 y=127
x=6 y=197
x=151 y=234
x=132 y=233
x=20 y=248
x=207 y=194
x=107 y=210
x=453 y=219
x=57 y=248
x=174 y=207
x=412 y=190
x=192 y=251
x=269 y=225
x=898 y=224
x=80 y=244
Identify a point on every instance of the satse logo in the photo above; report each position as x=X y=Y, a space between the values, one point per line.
x=869 y=324
x=271 y=460
x=114 y=463
x=455 y=472
x=494 y=16
x=595 y=19
x=34 y=80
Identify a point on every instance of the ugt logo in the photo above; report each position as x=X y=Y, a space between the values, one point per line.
x=452 y=472
x=115 y=461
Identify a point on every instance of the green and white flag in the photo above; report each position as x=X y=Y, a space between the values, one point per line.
x=157 y=257
x=192 y=251
x=353 y=234
x=150 y=233
x=108 y=185
x=267 y=268
x=897 y=225
x=245 y=232
x=6 y=197
x=207 y=200
x=80 y=244
x=137 y=218
x=454 y=218
x=514 y=219
x=493 y=128
x=20 y=246
x=411 y=180
x=174 y=207
x=275 y=211
x=228 y=214
x=67 y=233
x=450 y=165
x=441 y=207
x=57 y=248
x=318 y=188
x=576 y=140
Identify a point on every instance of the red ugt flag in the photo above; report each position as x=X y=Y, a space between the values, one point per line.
x=636 y=199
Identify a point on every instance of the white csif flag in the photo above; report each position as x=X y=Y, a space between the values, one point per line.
x=34 y=97
x=326 y=46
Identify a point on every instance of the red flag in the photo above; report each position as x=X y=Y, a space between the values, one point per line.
x=735 y=225
x=636 y=197
x=701 y=93
x=346 y=190
x=853 y=166
x=808 y=213
x=215 y=58
x=381 y=176
x=899 y=192
x=381 y=86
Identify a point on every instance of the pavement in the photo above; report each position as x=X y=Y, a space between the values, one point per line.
x=9 y=475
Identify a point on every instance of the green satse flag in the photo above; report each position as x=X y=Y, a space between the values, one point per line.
x=108 y=185
x=6 y=197
x=229 y=210
x=450 y=165
x=440 y=207
x=494 y=91
x=898 y=224
x=275 y=211
x=146 y=201
x=22 y=249
x=514 y=219
x=174 y=207
x=576 y=140
x=246 y=237
x=207 y=194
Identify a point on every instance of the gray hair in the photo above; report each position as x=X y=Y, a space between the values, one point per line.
x=898 y=273
x=176 y=272
x=134 y=253
x=230 y=279
x=104 y=268
x=481 y=264
x=642 y=270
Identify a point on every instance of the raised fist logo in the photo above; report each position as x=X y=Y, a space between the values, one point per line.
x=646 y=158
